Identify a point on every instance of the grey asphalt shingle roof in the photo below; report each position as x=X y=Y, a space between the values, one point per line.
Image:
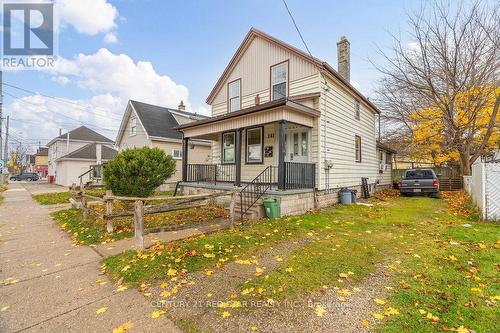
x=159 y=121
x=85 y=134
x=88 y=152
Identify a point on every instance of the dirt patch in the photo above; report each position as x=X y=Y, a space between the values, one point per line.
x=355 y=314
x=198 y=294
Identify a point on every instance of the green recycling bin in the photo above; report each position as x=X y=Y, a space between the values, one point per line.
x=272 y=207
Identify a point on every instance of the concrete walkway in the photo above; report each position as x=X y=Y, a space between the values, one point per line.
x=47 y=284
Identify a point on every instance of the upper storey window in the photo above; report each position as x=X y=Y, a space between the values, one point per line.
x=279 y=81
x=234 y=95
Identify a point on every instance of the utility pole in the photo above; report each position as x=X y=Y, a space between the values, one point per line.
x=1 y=117
x=6 y=150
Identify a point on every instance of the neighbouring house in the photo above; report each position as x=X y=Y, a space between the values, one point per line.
x=147 y=125
x=385 y=157
x=284 y=124
x=76 y=152
x=29 y=163
x=41 y=162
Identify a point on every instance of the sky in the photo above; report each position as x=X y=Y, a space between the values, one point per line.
x=162 y=51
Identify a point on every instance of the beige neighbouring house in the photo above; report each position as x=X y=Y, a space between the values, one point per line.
x=287 y=125
x=76 y=152
x=147 y=125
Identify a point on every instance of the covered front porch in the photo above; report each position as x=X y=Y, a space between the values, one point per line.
x=268 y=147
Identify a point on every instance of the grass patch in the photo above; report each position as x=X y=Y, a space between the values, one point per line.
x=445 y=274
x=63 y=197
x=93 y=230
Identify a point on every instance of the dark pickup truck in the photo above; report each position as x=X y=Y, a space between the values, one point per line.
x=420 y=181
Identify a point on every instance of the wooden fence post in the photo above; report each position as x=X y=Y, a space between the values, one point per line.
x=109 y=210
x=139 y=225
x=231 y=207
x=84 y=202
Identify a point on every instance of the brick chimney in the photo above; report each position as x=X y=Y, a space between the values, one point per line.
x=181 y=106
x=344 y=58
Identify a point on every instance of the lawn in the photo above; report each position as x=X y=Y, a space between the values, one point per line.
x=441 y=261
x=93 y=230
x=63 y=197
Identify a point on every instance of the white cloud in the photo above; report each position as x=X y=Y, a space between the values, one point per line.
x=413 y=46
x=110 y=38
x=113 y=79
x=87 y=17
x=107 y=73
x=62 y=80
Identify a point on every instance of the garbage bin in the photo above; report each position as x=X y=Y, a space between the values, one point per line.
x=353 y=196
x=345 y=196
x=272 y=207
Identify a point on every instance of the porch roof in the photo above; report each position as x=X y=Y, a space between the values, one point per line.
x=282 y=109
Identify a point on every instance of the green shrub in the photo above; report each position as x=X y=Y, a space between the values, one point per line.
x=138 y=171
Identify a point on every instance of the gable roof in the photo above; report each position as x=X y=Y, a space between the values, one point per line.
x=43 y=151
x=322 y=65
x=157 y=121
x=88 y=152
x=84 y=133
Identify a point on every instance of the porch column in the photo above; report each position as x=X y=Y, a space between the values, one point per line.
x=185 y=149
x=237 y=156
x=281 y=155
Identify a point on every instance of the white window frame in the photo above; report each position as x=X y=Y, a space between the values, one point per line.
x=357 y=110
x=357 y=150
x=223 y=148
x=133 y=126
x=281 y=64
x=178 y=152
x=230 y=98
x=247 y=150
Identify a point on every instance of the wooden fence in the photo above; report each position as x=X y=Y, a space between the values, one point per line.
x=80 y=200
x=451 y=184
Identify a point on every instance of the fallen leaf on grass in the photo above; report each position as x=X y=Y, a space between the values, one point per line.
x=289 y=269
x=157 y=314
x=320 y=310
x=123 y=327
x=462 y=329
x=121 y=288
x=364 y=323
x=391 y=312
x=5 y=308
x=208 y=273
x=379 y=301
x=226 y=314
x=209 y=255
x=101 y=310
x=378 y=316
x=171 y=272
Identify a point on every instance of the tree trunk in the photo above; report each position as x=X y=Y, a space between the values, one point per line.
x=465 y=169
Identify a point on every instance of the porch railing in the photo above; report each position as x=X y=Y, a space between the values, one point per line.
x=211 y=173
x=254 y=190
x=299 y=175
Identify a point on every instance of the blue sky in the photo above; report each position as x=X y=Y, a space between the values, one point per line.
x=188 y=44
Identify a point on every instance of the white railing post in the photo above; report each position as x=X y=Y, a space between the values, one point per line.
x=109 y=210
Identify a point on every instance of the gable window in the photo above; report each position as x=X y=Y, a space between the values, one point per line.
x=357 y=143
x=254 y=145
x=133 y=126
x=234 y=92
x=177 y=154
x=357 y=111
x=228 y=147
x=279 y=81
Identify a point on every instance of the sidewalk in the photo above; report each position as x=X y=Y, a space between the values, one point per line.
x=47 y=284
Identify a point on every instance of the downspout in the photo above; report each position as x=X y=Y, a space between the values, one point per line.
x=327 y=170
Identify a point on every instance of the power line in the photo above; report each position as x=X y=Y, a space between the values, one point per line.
x=61 y=114
x=297 y=28
x=71 y=103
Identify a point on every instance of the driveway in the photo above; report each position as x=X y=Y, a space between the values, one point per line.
x=48 y=284
x=38 y=187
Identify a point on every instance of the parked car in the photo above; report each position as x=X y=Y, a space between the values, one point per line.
x=420 y=181
x=25 y=176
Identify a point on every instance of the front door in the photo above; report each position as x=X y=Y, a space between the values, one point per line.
x=297 y=145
